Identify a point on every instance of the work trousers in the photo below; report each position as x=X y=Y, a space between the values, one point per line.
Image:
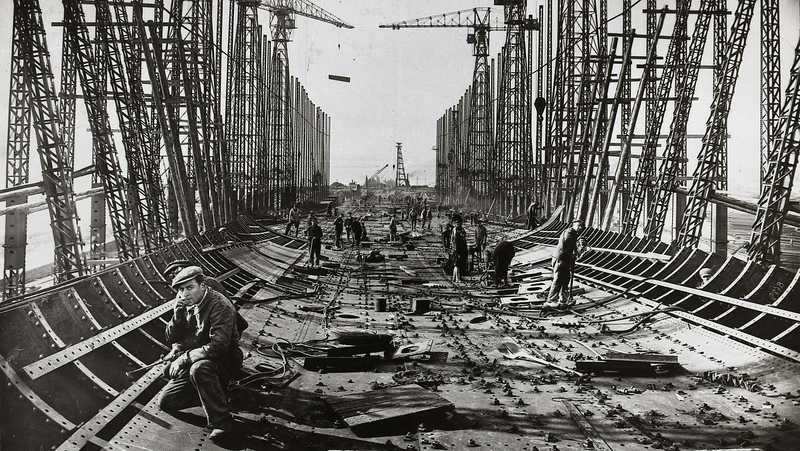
x=290 y=224
x=316 y=251
x=559 y=289
x=200 y=385
x=413 y=223
x=339 y=238
x=392 y=235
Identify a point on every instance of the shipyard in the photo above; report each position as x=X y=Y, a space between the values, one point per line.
x=535 y=225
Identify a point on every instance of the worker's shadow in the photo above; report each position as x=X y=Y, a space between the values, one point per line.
x=297 y=406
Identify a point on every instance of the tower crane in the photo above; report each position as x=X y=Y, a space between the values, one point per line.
x=400 y=178
x=476 y=164
x=282 y=22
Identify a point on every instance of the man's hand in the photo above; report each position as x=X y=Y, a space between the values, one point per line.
x=177 y=366
x=171 y=355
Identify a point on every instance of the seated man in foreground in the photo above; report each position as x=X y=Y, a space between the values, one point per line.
x=205 y=351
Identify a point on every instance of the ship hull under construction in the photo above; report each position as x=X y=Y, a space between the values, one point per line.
x=728 y=352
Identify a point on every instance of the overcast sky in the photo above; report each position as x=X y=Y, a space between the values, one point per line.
x=402 y=81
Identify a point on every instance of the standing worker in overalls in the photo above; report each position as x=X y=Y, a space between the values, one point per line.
x=314 y=233
x=567 y=252
x=338 y=225
x=393 y=229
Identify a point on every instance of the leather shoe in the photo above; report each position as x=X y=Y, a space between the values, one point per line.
x=218 y=434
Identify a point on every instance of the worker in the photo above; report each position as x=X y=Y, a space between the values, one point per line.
x=427 y=216
x=460 y=251
x=338 y=227
x=314 y=236
x=294 y=220
x=348 y=225
x=567 y=252
x=413 y=215
x=329 y=210
x=532 y=208
x=480 y=238
x=705 y=276
x=500 y=258
x=204 y=351
x=393 y=229
x=447 y=232
x=363 y=221
x=355 y=226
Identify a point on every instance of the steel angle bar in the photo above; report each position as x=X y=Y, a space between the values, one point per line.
x=46 y=365
x=39 y=403
x=88 y=430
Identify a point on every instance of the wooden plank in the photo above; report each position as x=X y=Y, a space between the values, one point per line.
x=396 y=403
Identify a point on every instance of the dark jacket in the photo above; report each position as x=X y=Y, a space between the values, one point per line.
x=567 y=249
x=207 y=330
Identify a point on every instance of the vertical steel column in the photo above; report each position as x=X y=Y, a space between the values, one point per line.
x=619 y=98
x=46 y=120
x=773 y=205
x=282 y=22
x=602 y=84
x=673 y=163
x=17 y=162
x=479 y=133
x=627 y=140
x=706 y=173
x=512 y=142
x=162 y=98
x=643 y=187
x=625 y=120
x=156 y=224
x=770 y=80
x=650 y=98
x=541 y=107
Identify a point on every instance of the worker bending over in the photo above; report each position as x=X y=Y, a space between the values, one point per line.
x=568 y=250
x=348 y=224
x=294 y=221
x=501 y=258
x=205 y=351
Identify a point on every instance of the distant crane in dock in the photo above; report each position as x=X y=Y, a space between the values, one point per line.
x=400 y=178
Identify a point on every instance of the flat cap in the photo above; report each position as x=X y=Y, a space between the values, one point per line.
x=177 y=264
x=186 y=274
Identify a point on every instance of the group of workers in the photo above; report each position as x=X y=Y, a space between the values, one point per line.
x=205 y=327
